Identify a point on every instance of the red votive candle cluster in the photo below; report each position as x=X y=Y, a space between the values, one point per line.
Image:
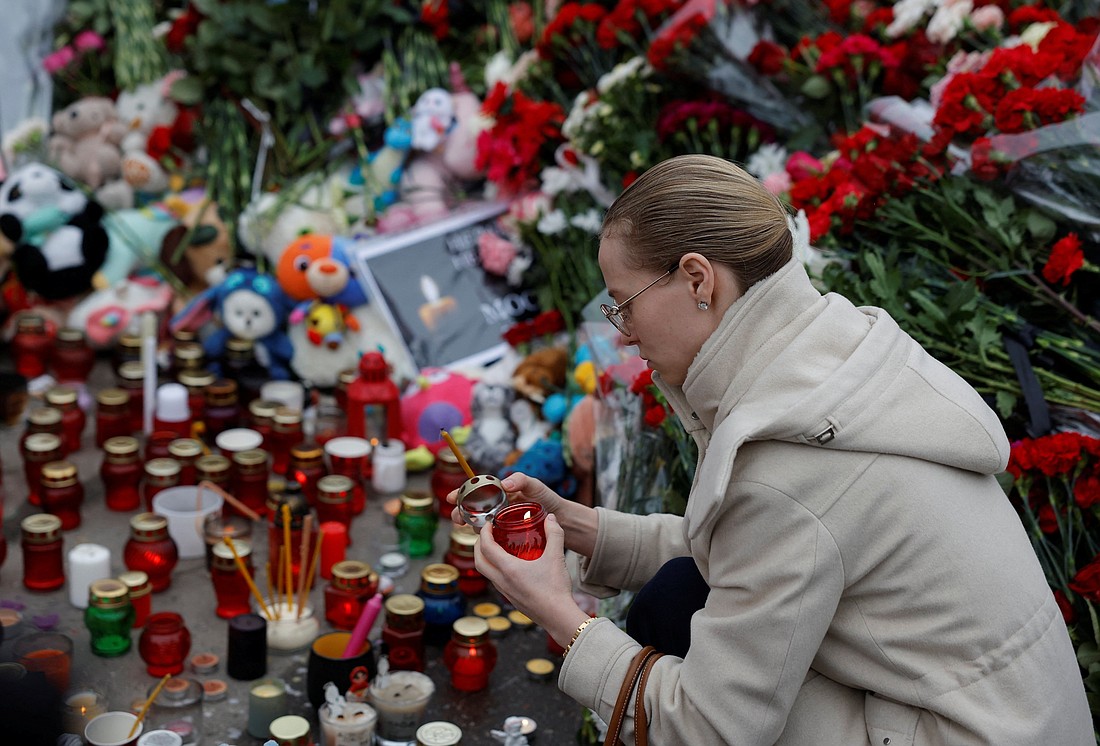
x=164 y=644
x=151 y=550
x=230 y=587
x=121 y=473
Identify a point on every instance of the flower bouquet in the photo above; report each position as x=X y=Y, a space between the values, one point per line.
x=1056 y=489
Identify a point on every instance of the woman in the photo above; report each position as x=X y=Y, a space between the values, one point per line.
x=861 y=577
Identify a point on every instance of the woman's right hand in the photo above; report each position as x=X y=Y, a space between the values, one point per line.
x=518 y=487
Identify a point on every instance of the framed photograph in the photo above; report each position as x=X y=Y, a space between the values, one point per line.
x=429 y=283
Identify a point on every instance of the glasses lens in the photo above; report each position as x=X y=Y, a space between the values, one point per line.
x=614 y=316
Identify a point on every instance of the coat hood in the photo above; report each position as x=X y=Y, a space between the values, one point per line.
x=787 y=363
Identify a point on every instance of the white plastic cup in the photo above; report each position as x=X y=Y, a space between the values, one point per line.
x=288 y=393
x=186 y=516
x=112 y=729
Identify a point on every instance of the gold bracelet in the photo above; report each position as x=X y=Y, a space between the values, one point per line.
x=577 y=634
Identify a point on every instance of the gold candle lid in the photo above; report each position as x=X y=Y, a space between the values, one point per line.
x=31 y=322
x=498 y=625
x=464 y=536
x=306 y=451
x=131 y=370
x=471 y=626
x=251 y=457
x=131 y=341
x=213 y=464
x=404 y=604
x=61 y=395
x=42 y=442
x=439 y=574
x=243 y=547
x=519 y=619
x=70 y=335
x=486 y=610
x=61 y=472
x=539 y=668
x=335 y=485
x=184 y=335
x=137 y=582
x=44 y=416
x=162 y=467
x=351 y=570
x=108 y=593
x=196 y=378
x=148 y=525
x=235 y=344
x=121 y=445
x=222 y=391
x=446 y=456
x=347 y=376
x=188 y=351
x=185 y=448
x=40 y=528
x=287 y=416
x=263 y=408
x=417 y=502
x=112 y=398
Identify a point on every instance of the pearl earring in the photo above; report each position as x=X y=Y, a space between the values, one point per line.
x=703 y=305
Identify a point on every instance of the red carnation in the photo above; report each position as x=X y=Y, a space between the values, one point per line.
x=1086 y=490
x=1087 y=581
x=767 y=57
x=1029 y=14
x=641 y=381
x=655 y=415
x=1066 y=258
x=1065 y=606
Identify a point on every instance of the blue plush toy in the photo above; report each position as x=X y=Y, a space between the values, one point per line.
x=250 y=306
x=545 y=462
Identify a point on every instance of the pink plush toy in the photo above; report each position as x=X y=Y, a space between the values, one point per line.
x=445 y=127
x=85 y=141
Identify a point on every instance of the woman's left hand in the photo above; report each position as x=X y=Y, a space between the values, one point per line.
x=540 y=588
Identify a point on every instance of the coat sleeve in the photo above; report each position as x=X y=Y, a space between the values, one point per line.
x=630 y=549
x=775 y=579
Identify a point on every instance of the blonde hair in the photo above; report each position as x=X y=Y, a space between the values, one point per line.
x=704 y=204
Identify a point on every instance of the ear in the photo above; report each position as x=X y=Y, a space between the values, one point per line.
x=701 y=274
x=196 y=312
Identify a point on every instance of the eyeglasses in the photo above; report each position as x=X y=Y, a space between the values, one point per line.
x=614 y=313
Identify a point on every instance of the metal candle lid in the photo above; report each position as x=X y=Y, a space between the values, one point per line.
x=184 y=448
x=196 y=378
x=404 y=604
x=137 y=582
x=471 y=627
x=162 y=467
x=263 y=409
x=438 y=578
x=108 y=593
x=438 y=733
x=417 y=503
x=121 y=445
x=44 y=416
x=222 y=551
x=148 y=527
x=41 y=443
x=61 y=395
x=334 y=488
x=41 y=528
x=132 y=370
x=112 y=398
x=480 y=498
x=251 y=457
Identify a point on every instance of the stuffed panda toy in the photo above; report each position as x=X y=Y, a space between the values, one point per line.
x=60 y=242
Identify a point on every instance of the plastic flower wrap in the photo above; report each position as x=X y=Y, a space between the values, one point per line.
x=1056 y=490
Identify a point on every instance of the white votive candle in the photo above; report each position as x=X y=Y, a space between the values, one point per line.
x=87 y=563
x=388 y=467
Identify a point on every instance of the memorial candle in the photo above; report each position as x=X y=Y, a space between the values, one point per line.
x=87 y=563
x=520 y=530
x=266 y=702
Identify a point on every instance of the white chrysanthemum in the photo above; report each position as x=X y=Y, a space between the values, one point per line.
x=589 y=220
x=948 y=20
x=813 y=259
x=557 y=180
x=497 y=69
x=552 y=223
x=907 y=14
x=769 y=159
x=622 y=71
x=578 y=115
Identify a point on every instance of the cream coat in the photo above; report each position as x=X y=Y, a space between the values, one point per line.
x=870 y=583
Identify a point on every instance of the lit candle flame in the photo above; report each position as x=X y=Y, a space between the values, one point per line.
x=527 y=516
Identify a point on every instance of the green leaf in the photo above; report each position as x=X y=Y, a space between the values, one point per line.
x=1006 y=404
x=187 y=90
x=1040 y=226
x=817 y=87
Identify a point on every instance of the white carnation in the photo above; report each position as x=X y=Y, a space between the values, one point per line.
x=578 y=115
x=589 y=220
x=552 y=223
x=622 y=71
x=907 y=14
x=557 y=180
x=497 y=69
x=769 y=159
x=948 y=20
x=1035 y=33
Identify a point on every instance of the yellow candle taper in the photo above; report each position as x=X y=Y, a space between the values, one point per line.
x=287 y=568
x=145 y=707
x=303 y=559
x=270 y=592
x=247 y=578
x=458 y=454
x=313 y=565
x=248 y=512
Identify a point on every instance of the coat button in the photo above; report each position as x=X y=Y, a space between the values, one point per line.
x=694 y=416
x=886 y=741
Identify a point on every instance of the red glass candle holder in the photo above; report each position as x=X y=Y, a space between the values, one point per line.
x=261 y=418
x=221 y=411
x=470 y=655
x=121 y=473
x=195 y=381
x=520 y=529
x=403 y=632
x=164 y=644
x=43 y=565
x=141 y=595
x=30 y=346
x=334 y=500
x=73 y=418
x=131 y=379
x=250 y=480
x=334 y=546
x=306 y=467
x=230 y=587
x=216 y=469
x=447 y=477
x=348 y=457
x=353 y=584
x=160 y=474
x=218 y=527
x=112 y=415
x=298 y=511
x=186 y=451
x=460 y=555
x=43 y=420
x=39 y=449
x=71 y=359
x=157 y=444
x=151 y=550
x=286 y=432
x=62 y=493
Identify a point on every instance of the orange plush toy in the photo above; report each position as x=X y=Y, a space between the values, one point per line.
x=319 y=267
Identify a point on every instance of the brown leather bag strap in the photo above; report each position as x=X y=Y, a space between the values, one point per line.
x=616 y=725
x=641 y=722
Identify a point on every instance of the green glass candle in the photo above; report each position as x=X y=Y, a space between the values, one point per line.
x=416 y=524
x=109 y=617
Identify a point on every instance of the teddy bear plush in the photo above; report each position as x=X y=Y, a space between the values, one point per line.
x=445 y=127
x=198 y=250
x=85 y=141
x=249 y=306
x=58 y=234
x=158 y=129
